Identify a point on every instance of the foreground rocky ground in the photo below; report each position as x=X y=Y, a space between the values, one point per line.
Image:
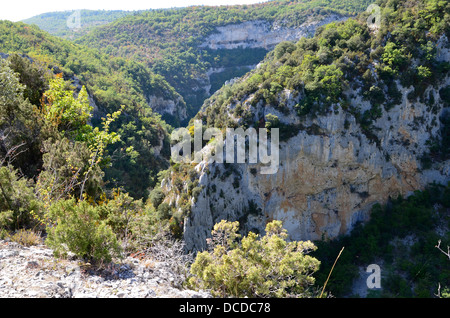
x=33 y=272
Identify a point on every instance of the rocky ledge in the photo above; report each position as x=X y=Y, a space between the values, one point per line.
x=33 y=272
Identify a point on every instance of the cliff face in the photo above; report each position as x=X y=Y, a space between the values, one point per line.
x=257 y=34
x=170 y=107
x=330 y=172
x=262 y=34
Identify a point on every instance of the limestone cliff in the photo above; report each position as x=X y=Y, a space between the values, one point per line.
x=262 y=34
x=174 y=108
x=249 y=35
x=330 y=172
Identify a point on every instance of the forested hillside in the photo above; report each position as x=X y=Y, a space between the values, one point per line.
x=169 y=41
x=111 y=83
x=363 y=119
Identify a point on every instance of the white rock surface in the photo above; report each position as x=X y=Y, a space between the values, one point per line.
x=33 y=272
x=330 y=173
x=167 y=106
x=261 y=34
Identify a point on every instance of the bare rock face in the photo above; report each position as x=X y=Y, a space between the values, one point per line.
x=330 y=173
x=167 y=106
x=257 y=34
x=261 y=34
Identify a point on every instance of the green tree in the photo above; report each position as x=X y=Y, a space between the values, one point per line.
x=394 y=56
x=75 y=153
x=32 y=75
x=19 y=124
x=272 y=121
x=63 y=112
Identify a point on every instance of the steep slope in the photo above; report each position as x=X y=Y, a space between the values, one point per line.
x=110 y=82
x=197 y=49
x=363 y=116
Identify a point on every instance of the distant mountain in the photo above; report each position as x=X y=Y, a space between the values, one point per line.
x=64 y=23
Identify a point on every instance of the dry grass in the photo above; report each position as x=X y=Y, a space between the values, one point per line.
x=26 y=237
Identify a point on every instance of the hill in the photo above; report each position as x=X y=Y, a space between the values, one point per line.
x=110 y=82
x=176 y=43
x=62 y=25
x=356 y=108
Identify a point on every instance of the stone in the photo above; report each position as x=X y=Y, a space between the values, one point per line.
x=48 y=277
x=330 y=173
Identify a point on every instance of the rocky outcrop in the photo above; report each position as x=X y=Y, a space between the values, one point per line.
x=164 y=106
x=249 y=35
x=330 y=172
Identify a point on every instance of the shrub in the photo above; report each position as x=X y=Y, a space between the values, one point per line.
x=121 y=214
x=272 y=121
x=156 y=197
x=77 y=227
x=196 y=192
x=267 y=266
x=284 y=47
x=17 y=200
x=163 y=211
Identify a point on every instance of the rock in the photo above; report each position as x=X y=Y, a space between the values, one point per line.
x=330 y=173
x=163 y=106
x=32 y=264
x=261 y=34
x=35 y=273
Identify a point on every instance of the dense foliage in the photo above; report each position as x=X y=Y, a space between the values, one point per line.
x=53 y=162
x=344 y=59
x=169 y=40
x=402 y=235
x=59 y=23
x=112 y=82
x=87 y=171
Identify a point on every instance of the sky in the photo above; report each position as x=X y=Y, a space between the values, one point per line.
x=16 y=10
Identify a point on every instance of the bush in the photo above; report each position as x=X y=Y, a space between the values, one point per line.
x=157 y=197
x=121 y=213
x=135 y=224
x=164 y=212
x=267 y=266
x=17 y=200
x=272 y=121
x=284 y=47
x=77 y=227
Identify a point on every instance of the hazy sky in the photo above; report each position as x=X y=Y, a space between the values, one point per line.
x=16 y=10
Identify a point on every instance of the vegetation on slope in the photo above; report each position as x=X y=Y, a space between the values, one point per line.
x=55 y=155
x=403 y=235
x=53 y=163
x=322 y=68
x=168 y=40
x=112 y=82
x=347 y=56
